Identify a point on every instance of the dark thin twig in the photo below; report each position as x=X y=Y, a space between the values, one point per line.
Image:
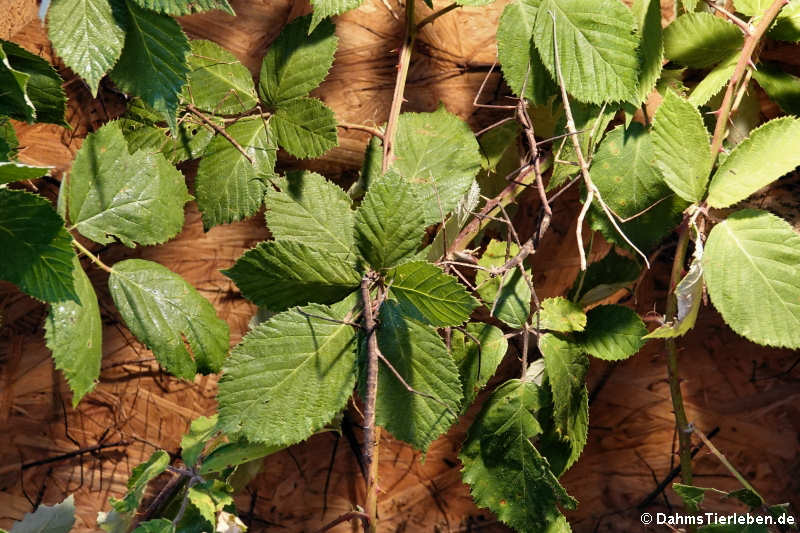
x=75 y=453
x=192 y=109
x=344 y=518
x=411 y=389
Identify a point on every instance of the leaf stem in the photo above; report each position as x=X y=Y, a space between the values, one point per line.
x=193 y=110
x=404 y=62
x=750 y=43
x=375 y=132
x=436 y=14
x=371 y=433
x=96 y=260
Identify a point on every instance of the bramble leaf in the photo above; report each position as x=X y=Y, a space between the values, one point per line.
x=420 y=356
x=766 y=155
x=88 y=35
x=136 y=198
x=505 y=471
x=596 y=41
x=647 y=14
x=509 y=295
x=424 y=291
x=37 y=247
x=560 y=314
x=682 y=147
x=194 y=441
x=281 y=274
x=477 y=361
x=39 y=82
x=137 y=483
x=288 y=377
x=228 y=187
x=701 y=40
x=566 y=366
x=787 y=25
x=153 y=63
x=517 y=54
x=613 y=332
x=714 y=81
x=58 y=518
x=782 y=87
x=425 y=156
x=169 y=317
x=750 y=267
x=305 y=127
x=157 y=525
x=329 y=8
x=390 y=222
x=11 y=171
x=217 y=81
x=590 y=121
x=297 y=61
x=235 y=453
x=74 y=333
x=185 y=7
x=311 y=210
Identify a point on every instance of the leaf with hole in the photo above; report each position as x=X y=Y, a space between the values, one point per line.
x=288 y=377
x=137 y=198
x=169 y=317
x=750 y=267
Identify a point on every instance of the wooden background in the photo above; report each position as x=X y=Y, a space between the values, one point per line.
x=750 y=393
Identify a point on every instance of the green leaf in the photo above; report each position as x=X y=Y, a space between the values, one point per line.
x=692 y=496
x=747 y=497
x=390 y=222
x=74 y=333
x=169 y=317
x=596 y=41
x=508 y=295
x=228 y=187
x=647 y=14
x=209 y=501
x=613 y=332
x=288 y=377
x=136 y=198
x=88 y=35
x=37 y=247
x=234 y=454
x=185 y=7
x=141 y=128
x=153 y=62
x=281 y=274
x=15 y=102
x=787 y=25
x=477 y=356
x=58 y=518
x=766 y=155
x=591 y=121
x=313 y=211
x=11 y=171
x=682 y=147
x=438 y=152
x=714 y=81
x=194 y=441
x=518 y=56
x=42 y=87
x=604 y=278
x=157 y=525
x=623 y=169
x=420 y=356
x=423 y=290
x=750 y=267
x=137 y=483
x=329 y=8
x=298 y=60
x=782 y=87
x=566 y=366
x=305 y=127
x=505 y=471
x=8 y=137
x=701 y=40
x=559 y=314
x=218 y=82
x=562 y=446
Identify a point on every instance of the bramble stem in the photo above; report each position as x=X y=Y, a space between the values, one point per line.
x=371 y=433
x=96 y=260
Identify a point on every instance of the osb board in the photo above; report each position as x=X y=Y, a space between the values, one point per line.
x=137 y=405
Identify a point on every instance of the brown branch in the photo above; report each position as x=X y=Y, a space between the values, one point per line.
x=74 y=453
x=192 y=109
x=375 y=132
x=370 y=397
x=352 y=515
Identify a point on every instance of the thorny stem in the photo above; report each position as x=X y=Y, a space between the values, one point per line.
x=750 y=43
x=96 y=260
x=404 y=62
x=371 y=434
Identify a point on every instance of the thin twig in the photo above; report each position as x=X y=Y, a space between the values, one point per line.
x=435 y=15
x=375 y=132
x=96 y=260
x=192 y=109
x=352 y=515
x=411 y=389
x=370 y=397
